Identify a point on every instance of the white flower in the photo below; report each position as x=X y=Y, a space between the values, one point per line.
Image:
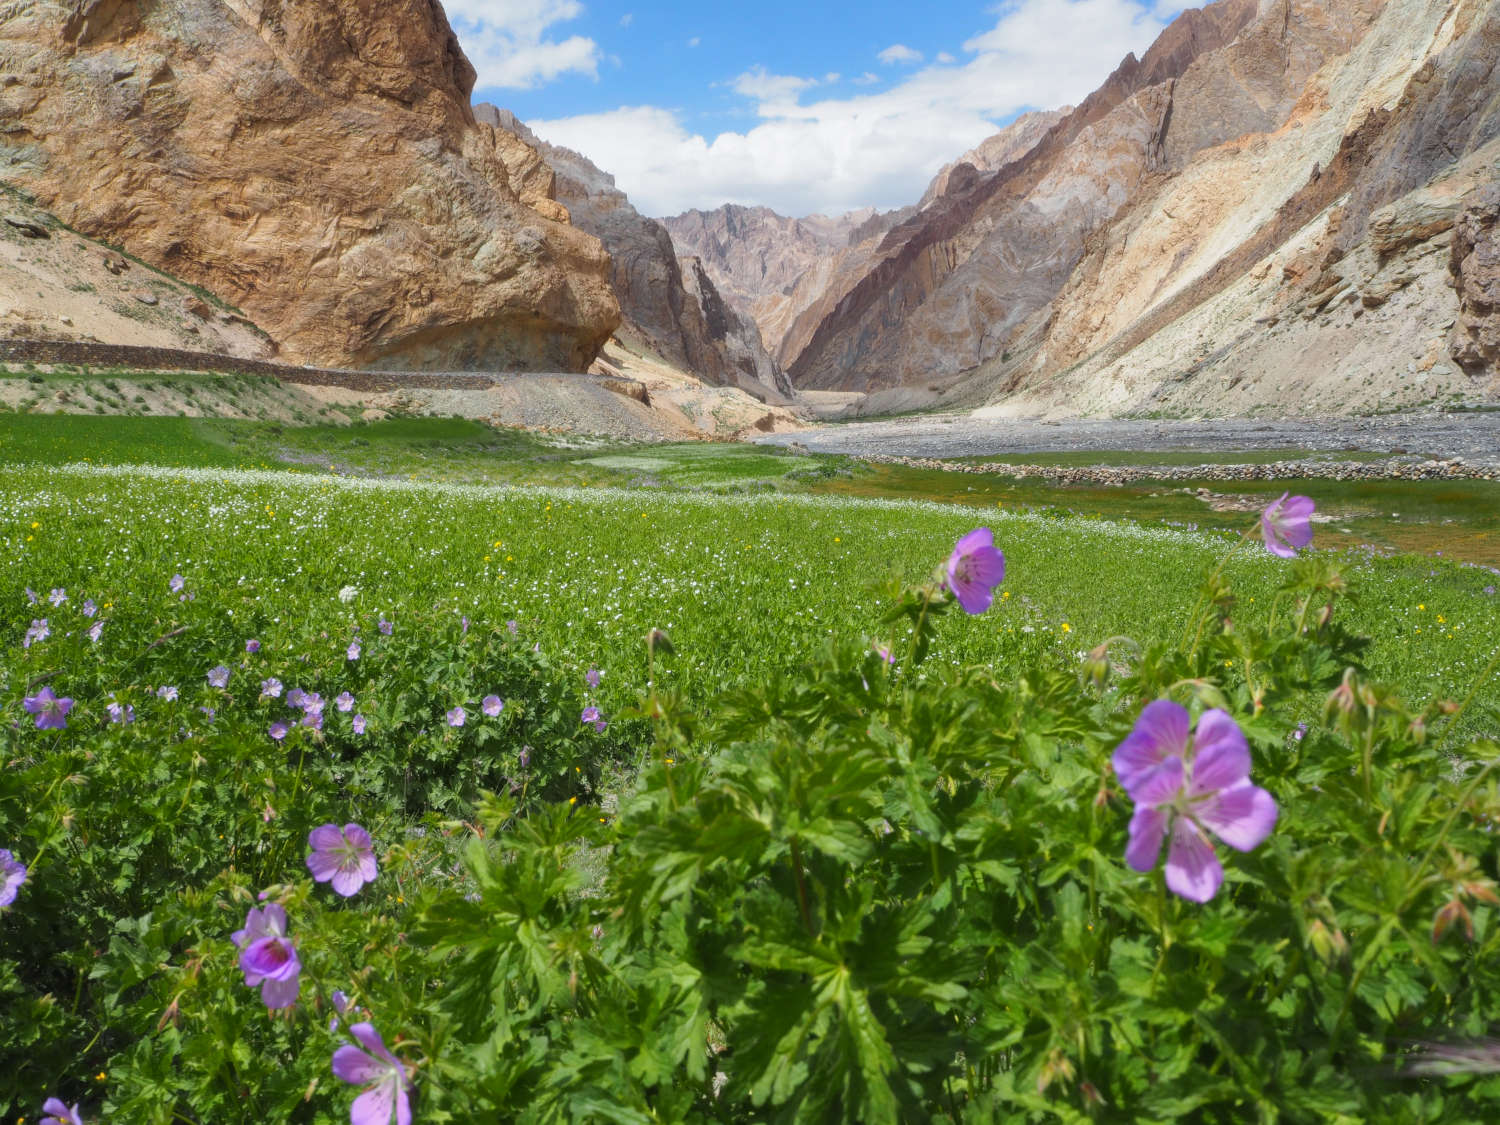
x=348 y=594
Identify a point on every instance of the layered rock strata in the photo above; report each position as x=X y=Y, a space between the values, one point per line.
x=316 y=164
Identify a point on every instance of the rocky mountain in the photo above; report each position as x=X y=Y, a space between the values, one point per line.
x=995 y=152
x=314 y=162
x=670 y=308
x=773 y=267
x=1283 y=204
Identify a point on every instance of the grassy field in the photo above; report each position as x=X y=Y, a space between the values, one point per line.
x=746 y=585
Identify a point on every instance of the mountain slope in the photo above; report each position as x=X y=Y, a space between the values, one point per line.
x=314 y=162
x=669 y=307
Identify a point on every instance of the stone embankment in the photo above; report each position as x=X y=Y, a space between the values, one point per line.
x=85 y=354
x=1391 y=468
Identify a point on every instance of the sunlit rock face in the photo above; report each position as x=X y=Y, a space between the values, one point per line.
x=315 y=162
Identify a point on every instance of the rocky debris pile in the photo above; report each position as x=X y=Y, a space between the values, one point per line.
x=1390 y=468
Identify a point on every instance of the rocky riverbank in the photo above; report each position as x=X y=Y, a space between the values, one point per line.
x=1393 y=468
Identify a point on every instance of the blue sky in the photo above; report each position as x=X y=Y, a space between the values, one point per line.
x=799 y=106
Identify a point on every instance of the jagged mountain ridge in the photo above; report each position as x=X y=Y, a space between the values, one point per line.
x=1219 y=213
x=316 y=164
x=669 y=307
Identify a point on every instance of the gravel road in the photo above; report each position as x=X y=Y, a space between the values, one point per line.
x=1475 y=435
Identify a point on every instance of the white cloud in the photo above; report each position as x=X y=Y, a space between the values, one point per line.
x=866 y=79
x=899 y=53
x=627 y=19
x=875 y=148
x=694 y=41
x=944 y=57
x=508 y=41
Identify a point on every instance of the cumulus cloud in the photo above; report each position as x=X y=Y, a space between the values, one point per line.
x=508 y=41
x=899 y=53
x=880 y=148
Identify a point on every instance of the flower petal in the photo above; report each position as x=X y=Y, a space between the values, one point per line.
x=358 y=836
x=375 y=1105
x=347 y=879
x=1147 y=827
x=1221 y=757
x=1160 y=732
x=987 y=565
x=974 y=540
x=355 y=1067
x=279 y=993
x=1242 y=816
x=1193 y=869
x=1158 y=785
x=974 y=597
x=324 y=866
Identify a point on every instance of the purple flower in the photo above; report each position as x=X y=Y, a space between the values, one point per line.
x=270 y=689
x=1285 y=525
x=208 y=713
x=593 y=676
x=177 y=583
x=975 y=568
x=464 y=622
x=51 y=712
x=96 y=630
x=358 y=724
x=340 y=1001
x=14 y=873
x=589 y=715
x=295 y=697
x=1300 y=731
x=1490 y=590
x=456 y=717
x=378 y=1069
x=59 y=1113
x=311 y=702
x=31 y=595
x=345 y=702
x=513 y=626
x=58 y=596
x=268 y=957
x=1185 y=788
x=88 y=607
x=39 y=631
x=278 y=730
x=167 y=692
x=492 y=705
x=313 y=719
x=883 y=652
x=343 y=856
x=385 y=626
x=119 y=712
x=353 y=651
x=523 y=759
x=252 y=646
x=218 y=676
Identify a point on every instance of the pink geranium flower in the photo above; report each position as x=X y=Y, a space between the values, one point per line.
x=344 y=857
x=975 y=568
x=268 y=957
x=382 y=1071
x=1187 y=785
x=1286 y=525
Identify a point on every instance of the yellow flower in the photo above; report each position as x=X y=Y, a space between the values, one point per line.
x=1421 y=607
x=1066 y=628
x=35 y=525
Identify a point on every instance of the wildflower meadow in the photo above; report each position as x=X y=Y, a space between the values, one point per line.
x=335 y=801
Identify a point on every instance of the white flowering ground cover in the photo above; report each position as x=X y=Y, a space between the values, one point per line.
x=250 y=657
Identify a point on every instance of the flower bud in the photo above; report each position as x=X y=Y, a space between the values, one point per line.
x=656 y=639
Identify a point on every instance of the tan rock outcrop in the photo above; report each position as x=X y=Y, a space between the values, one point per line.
x=316 y=163
x=670 y=308
x=1475 y=265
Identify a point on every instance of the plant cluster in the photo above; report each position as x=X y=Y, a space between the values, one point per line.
x=877 y=888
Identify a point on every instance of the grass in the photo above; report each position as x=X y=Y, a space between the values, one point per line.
x=746 y=585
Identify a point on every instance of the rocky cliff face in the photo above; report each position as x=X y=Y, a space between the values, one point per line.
x=772 y=267
x=1278 y=205
x=669 y=307
x=316 y=163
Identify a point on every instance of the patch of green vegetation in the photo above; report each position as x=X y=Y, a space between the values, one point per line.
x=55 y=439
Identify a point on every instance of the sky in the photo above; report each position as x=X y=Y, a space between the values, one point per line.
x=803 y=107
